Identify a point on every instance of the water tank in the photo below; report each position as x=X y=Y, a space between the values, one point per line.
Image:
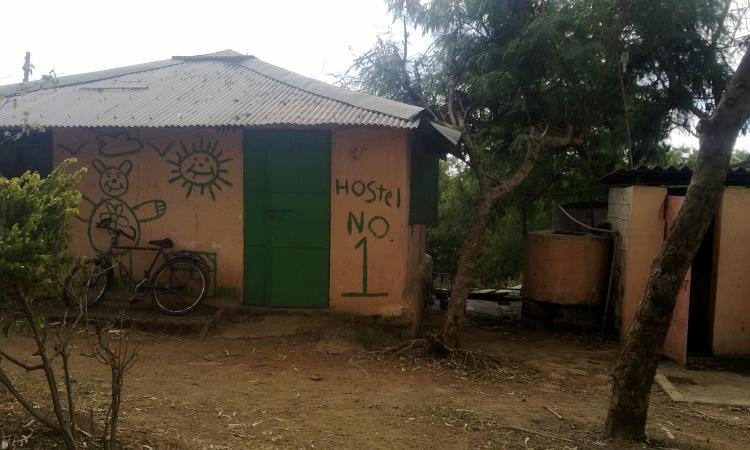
x=566 y=269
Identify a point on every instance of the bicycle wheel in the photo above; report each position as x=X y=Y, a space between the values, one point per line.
x=86 y=284
x=180 y=285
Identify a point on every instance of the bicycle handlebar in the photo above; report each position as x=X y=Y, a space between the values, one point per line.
x=106 y=224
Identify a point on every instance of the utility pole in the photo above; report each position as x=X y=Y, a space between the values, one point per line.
x=27 y=67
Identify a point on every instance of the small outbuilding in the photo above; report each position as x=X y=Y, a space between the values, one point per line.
x=299 y=194
x=712 y=314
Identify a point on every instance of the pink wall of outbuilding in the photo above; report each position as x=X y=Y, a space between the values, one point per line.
x=637 y=213
x=731 y=324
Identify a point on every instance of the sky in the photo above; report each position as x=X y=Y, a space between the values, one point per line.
x=316 y=38
x=312 y=37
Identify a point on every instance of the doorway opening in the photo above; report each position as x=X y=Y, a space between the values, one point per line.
x=701 y=298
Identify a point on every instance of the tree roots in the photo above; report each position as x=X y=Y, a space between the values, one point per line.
x=465 y=361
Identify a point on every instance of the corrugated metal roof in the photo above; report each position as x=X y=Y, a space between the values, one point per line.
x=668 y=176
x=222 y=89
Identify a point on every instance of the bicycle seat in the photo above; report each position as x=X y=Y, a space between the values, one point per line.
x=163 y=243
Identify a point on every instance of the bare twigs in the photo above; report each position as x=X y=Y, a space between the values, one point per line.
x=40 y=337
x=19 y=363
x=53 y=340
x=63 y=337
x=538 y=433
x=61 y=422
x=25 y=403
x=119 y=353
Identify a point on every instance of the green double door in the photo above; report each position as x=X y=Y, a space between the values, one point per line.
x=287 y=218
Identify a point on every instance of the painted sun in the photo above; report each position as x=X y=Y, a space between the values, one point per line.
x=199 y=168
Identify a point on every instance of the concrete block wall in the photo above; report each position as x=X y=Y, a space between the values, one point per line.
x=618 y=215
x=637 y=213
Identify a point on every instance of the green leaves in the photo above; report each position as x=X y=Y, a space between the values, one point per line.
x=34 y=230
x=500 y=68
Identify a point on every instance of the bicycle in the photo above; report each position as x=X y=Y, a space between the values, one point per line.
x=178 y=286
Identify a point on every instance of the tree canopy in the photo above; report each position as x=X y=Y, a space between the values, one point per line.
x=618 y=77
x=497 y=67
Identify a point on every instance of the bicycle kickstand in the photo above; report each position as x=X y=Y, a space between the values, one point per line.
x=137 y=294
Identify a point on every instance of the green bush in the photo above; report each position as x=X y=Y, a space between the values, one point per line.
x=34 y=230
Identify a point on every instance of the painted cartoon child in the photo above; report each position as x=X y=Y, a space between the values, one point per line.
x=114 y=183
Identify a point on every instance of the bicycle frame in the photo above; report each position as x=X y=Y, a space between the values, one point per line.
x=183 y=276
x=112 y=257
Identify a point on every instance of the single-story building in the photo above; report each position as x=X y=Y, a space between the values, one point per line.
x=712 y=314
x=298 y=193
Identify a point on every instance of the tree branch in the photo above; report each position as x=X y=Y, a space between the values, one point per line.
x=20 y=363
x=521 y=173
x=569 y=140
x=474 y=161
x=5 y=381
x=47 y=365
x=64 y=335
x=698 y=112
x=720 y=25
x=733 y=110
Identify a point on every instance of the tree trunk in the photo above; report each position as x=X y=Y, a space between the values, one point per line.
x=65 y=428
x=634 y=371
x=471 y=247
x=112 y=425
x=463 y=279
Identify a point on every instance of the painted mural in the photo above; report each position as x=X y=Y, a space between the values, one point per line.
x=114 y=183
x=118 y=144
x=200 y=167
x=157 y=183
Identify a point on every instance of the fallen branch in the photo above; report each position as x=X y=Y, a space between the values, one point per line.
x=539 y=433
x=553 y=412
x=716 y=419
x=359 y=366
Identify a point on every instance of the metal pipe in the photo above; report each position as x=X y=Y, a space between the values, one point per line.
x=588 y=227
x=615 y=248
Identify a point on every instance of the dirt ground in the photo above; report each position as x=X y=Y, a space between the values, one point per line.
x=300 y=381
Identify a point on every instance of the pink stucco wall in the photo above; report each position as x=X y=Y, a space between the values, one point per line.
x=370 y=207
x=566 y=269
x=164 y=195
x=731 y=324
x=152 y=179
